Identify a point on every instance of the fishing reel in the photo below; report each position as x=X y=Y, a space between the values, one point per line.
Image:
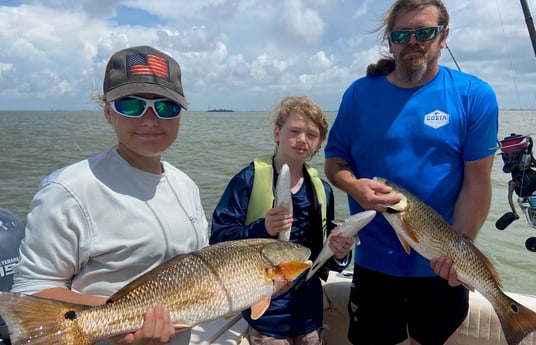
x=516 y=153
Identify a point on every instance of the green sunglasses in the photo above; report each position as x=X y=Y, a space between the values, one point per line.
x=134 y=106
x=421 y=35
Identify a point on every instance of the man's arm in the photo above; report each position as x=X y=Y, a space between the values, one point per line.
x=470 y=211
x=67 y=295
x=339 y=173
x=474 y=200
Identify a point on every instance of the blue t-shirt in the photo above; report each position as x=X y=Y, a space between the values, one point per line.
x=416 y=137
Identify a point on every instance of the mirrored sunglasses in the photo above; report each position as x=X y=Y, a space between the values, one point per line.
x=134 y=106
x=421 y=34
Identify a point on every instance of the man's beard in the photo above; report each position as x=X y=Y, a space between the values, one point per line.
x=412 y=70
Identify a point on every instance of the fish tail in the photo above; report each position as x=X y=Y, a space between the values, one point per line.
x=324 y=255
x=40 y=321
x=312 y=272
x=517 y=321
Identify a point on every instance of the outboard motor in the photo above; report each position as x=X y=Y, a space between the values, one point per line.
x=516 y=153
x=11 y=234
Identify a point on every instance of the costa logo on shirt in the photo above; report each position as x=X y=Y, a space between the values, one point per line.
x=436 y=119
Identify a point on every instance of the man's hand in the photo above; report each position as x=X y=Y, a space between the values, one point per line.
x=372 y=195
x=442 y=266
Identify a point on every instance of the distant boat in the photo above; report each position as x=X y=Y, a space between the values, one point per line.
x=220 y=110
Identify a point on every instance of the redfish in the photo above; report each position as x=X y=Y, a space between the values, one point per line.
x=420 y=227
x=214 y=282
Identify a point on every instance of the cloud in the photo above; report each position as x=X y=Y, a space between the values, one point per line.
x=361 y=11
x=300 y=21
x=241 y=54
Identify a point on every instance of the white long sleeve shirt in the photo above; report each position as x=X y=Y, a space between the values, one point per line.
x=98 y=224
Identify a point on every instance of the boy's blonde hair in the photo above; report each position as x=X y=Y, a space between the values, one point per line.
x=301 y=106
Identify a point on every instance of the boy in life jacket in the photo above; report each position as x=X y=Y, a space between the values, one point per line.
x=246 y=210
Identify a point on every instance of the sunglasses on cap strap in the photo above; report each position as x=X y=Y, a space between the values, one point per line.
x=134 y=106
x=422 y=34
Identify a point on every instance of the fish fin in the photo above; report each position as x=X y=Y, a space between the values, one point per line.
x=404 y=243
x=408 y=231
x=180 y=328
x=258 y=308
x=407 y=247
x=40 y=321
x=230 y=316
x=469 y=286
x=288 y=271
x=357 y=240
x=310 y=274
x=487 y=263
x=144 y=278
x=517 y=321
x=320 y=260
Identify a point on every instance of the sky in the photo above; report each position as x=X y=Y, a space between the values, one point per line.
x=243 y=54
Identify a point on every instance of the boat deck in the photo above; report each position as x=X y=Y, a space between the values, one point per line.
x=481 y=326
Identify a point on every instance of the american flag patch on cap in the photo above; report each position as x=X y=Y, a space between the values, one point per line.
x=139 y=64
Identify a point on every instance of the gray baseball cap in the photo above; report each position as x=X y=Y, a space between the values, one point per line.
x=143 y=69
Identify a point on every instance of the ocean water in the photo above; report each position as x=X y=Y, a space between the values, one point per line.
x=211 y=148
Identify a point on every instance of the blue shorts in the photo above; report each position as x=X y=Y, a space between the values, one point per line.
x=384 y=309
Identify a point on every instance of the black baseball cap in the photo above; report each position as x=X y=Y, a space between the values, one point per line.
x=143 y=69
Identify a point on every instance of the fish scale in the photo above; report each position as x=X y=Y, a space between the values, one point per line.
x=447 y=242
x=214 y=282
x=198 y=297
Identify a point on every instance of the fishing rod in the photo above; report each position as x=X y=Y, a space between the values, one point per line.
x=530 y=24
x=453 y=58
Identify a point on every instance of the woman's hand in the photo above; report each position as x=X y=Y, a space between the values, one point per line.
x=157 y=329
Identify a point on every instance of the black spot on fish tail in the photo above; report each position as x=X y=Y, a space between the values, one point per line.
x=514 y=308
x=517 y=321
x=70 y=315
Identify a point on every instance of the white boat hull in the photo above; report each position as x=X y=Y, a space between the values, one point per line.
x=480 y=327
